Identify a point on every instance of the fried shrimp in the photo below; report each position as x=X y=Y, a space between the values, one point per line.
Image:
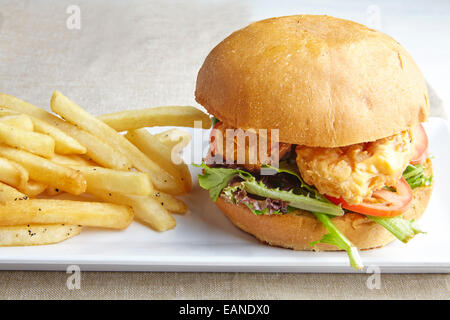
x=354 y=172
x=248 y=149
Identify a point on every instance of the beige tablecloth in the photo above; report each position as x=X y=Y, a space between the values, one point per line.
x=119 y=285
x=133 y=54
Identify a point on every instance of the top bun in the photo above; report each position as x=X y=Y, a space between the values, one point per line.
x=322 y=81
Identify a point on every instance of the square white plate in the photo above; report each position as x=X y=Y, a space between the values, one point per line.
x=204 y=240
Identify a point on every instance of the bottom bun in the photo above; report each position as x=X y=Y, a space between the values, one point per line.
x=297 y=229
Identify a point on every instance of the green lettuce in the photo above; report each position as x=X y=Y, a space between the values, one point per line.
x=261 y=212
x=295 y=200
x=402 y=229
x=415 y=176
x=336 y=238
x=292 y=169
x=216 y=179
x=230 y=192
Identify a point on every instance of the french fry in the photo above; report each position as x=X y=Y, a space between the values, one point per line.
x=161 y=155
x=21 y=106
x=158 y=116
x=52 y=191
x=169 y=202
x=97 y=149
x=31 y=235
x=174 y=137
x=33 y=188
x=89 y=156
x=76 y=115
x=51 y=211
x=27 y=235
x=8 y=194
x=13 y=173
x=127 y=182
x=146 y=209
x=43 y=170
x=71 y=160
x=33 y=142
x=20 y=121
x=4 y=111
x=64 y=143
x=83 y=158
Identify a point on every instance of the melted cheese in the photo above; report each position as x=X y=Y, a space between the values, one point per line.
x=354 y=172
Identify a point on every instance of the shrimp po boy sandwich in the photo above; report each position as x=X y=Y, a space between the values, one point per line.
x=346 y=104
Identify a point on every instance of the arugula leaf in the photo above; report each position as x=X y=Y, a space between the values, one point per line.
x=415 y=176
x=336 y=238
x=292 y=169
x=295 y=200
x=402 y=229
x=231 y=191
x=215 y=179
x=260 y=212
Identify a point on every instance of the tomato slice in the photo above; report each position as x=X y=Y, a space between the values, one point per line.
x=420 y=144
x=384 y=203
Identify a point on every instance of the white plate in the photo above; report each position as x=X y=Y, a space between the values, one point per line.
x=205 y=240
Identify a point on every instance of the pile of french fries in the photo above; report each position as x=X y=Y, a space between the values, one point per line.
x=111 y=178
